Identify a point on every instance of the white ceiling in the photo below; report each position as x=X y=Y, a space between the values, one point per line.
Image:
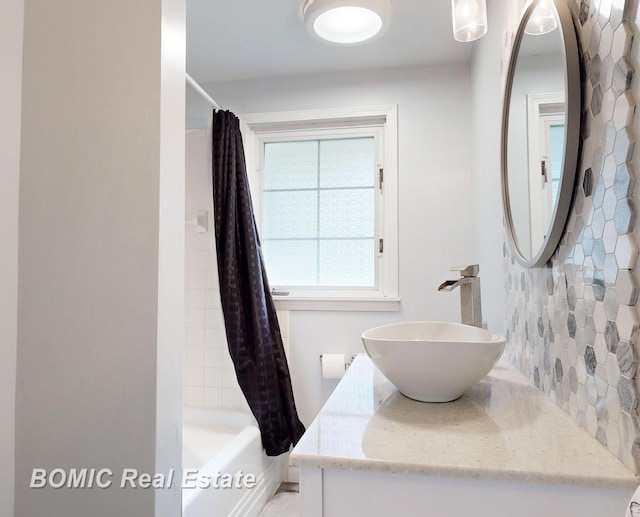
x=230 y=40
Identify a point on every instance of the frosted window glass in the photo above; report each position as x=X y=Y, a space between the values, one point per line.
x=290 y=165
x=318 y=212
x=291 y=263
x=347 y=213
x=347 y=162
x=556 y=137
x=345 y=263
x=290 y=214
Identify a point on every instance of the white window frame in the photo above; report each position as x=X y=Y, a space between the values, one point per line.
x=537 y=105
x=260 y=127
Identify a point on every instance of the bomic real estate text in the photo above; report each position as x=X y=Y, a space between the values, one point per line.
x=131 y=478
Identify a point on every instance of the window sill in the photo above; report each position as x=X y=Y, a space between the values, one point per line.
x=299 y=303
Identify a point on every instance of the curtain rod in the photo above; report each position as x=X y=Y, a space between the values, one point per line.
x=202 y=91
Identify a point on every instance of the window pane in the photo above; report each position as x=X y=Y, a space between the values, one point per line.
x=347 y=213
x=556 y=152
x=292 y=214
x=290 y=165
x=318 y=212
x=347 y=162
x=291 y=263
x=345 y=263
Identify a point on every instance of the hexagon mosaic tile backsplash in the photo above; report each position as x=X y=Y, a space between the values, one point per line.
x=572 y=326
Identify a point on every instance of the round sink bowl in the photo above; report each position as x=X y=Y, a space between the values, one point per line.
x=433 y=361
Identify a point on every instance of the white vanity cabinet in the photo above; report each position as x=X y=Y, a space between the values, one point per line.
x=502 y=450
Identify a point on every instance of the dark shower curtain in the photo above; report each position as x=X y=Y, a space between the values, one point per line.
x=250 y=320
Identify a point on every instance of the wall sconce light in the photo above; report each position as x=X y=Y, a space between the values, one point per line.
x=347 y=22
x=542 y=20
x=469 y=19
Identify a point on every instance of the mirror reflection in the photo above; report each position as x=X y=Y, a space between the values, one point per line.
x=536 y=130
x=541 y=131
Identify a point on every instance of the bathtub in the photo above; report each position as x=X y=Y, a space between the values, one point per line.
x=219 y=442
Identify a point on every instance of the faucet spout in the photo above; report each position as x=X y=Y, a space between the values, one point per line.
x=470 y=299
x=450 y=285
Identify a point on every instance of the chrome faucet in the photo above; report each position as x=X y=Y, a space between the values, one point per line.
x=469 y=283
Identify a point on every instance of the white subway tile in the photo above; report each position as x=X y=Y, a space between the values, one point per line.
x=195 y=298
x=213 y=377
x=195 y=260
x=212 y=397
x=197 y=184
x=193 y=396
x=194 y=357
x=195 y=337
x=229 y=379
x=212 y=357
x=215 y=338
x=212 y=299
x=230 y=398
x=226 y=359
x=209 y=260
x=199 y=241
x=195 y=318
x=192 y=279
x=193 y=376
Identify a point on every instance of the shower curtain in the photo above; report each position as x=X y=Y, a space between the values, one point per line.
x=253 y=334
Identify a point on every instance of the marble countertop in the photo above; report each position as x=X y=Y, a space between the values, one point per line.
x=503 y=429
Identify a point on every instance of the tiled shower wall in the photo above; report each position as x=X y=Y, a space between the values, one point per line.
x=572 y=326
x=209 y=377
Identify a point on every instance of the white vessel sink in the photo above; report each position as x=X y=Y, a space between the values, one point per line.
x=433 y=361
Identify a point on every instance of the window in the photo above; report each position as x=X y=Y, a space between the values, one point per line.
x=324 y=188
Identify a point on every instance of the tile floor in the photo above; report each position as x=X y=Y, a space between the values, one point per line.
x=285 y=502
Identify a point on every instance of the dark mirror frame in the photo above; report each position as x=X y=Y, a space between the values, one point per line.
x=573 y=98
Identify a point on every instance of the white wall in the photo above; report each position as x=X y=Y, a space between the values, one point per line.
x=100 y=268
x=435 y=218
x=11 y=30
x=170 y=260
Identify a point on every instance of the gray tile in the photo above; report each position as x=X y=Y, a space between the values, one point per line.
x=624 y=183
x=594 y=76
x=623 y=148
x=618 y=12
x=610 y=200
x=626 y=288
x=590 y=360
x=624 y=216
x=572 y=325
x=587 y=181
x=596 y=99
x=559 y=370
x=627 y=395
x=626 y=361
x=611 y=337
x=611 y=303
x=622 y=75
x=610 y=269
x=626 y=252
x=623 y=112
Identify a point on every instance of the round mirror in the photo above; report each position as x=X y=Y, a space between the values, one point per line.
x=540 y=130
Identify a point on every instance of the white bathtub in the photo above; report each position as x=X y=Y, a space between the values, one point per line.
x=225 y=442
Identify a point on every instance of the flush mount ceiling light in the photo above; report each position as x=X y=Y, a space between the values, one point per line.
x=347 y=22
x=542 y=20
x=469 y=19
